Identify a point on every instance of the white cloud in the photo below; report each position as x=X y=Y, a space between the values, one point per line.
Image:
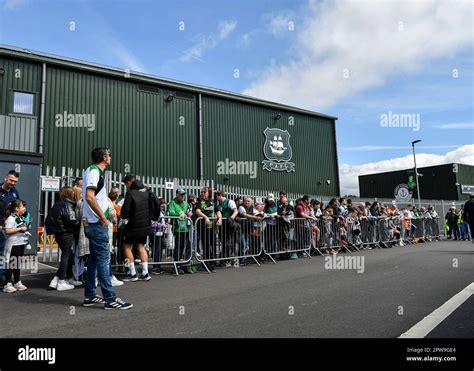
x=388 y=148
x=110 y=40
x=205 y=43
x=278 y=24
x=348 y=174
x=226 y=28
x=457 y=125
x=370 y=41
x=198 y=49
x=126 y=57
x=13 y=4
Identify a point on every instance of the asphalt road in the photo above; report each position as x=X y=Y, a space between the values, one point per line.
x=294 y=298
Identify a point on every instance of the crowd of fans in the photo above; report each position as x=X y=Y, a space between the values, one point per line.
x=95 y=228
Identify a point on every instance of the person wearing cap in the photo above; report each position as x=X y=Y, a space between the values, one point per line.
x=452 y=223
x=468 y=215
x=181 y=211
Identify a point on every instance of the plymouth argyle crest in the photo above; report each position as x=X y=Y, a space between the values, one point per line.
x=277 y=150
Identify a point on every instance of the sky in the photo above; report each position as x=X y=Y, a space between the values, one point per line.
x=392 y=72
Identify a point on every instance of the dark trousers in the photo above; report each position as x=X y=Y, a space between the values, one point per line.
x=270 y=238
x=182 y=246
x=65 y=242
x=453 y=229
x=208 y=237
x=157 y=247
x=13 y=268
x=230 y=235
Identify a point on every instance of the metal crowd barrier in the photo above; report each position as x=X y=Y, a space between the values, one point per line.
x=417 y=231
x=287 y=236
x=332 y=233
x=232 y=242
x=236 y=241
x=432 y=231
x=166 y=245
x=370 y=233
x=170 y=243
x=390 y=230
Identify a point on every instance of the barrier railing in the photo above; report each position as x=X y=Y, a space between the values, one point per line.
x=177 y=241
x=417 y=231
x=171 y=242
x=370 y=233
x=390 y=231
x=287 y=236
x=432 y=230
x=227 y=240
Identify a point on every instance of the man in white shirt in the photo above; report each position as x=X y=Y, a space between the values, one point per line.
x=96 y=229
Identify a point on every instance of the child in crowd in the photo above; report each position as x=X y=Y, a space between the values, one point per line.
x=16 y=229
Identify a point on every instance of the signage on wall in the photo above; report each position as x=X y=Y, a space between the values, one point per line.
x=50 y=183
x=467 y=189
x=402 y=193
x=277 y=150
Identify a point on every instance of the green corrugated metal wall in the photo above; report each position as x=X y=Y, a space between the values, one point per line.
x=234 y=130
x=465 y=176
x=29 y=81
x=141 y=129
x=145 y=132
x=436 y=182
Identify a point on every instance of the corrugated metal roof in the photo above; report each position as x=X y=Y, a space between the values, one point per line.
x=12 y=51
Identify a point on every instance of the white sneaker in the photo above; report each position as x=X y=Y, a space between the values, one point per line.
x=74 y=282
x=63 y=285
x=401 y=243
x=115 y=281
x=8 y=288
x=54 y=283
x=20 y=287
x=228 y=264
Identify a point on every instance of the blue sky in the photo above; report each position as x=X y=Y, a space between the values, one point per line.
x=351 y=59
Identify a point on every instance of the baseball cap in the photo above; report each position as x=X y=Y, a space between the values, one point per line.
x=180 y=191
x=271 y=196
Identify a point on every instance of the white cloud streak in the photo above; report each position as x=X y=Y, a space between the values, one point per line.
x=388 y=148
x=278 y=24
x=348 y=174
x=205 y=43
x=128 y=59
x=457 y=125
x=10 y=5
x=346 y=47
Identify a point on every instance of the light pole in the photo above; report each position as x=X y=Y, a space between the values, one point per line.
x=416 y=172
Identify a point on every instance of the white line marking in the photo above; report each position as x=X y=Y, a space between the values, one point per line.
x=43 y=266
x=427 y=324
x=48 y=266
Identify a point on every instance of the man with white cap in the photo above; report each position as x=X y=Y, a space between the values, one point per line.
x=452 y=223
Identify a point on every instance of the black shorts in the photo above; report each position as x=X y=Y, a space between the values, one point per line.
x=18 y=250
x=134 y=240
